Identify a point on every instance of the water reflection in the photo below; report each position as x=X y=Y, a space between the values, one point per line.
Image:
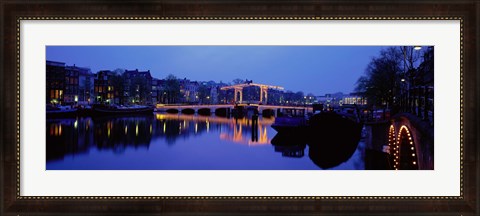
x=119 y=133
x=67 y=137
x=77 y=136
x=241 y=131
x=332 y=140
x=290 y=145
x=184 y=142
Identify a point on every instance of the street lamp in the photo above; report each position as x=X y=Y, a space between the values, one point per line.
x=409 y=72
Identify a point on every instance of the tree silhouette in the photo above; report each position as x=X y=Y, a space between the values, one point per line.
x=172 y=88
x=203 y=93
x=238 y=81
x=382 y=77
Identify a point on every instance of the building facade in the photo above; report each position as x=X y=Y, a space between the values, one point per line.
x=331 y=100
x=354 y=98
x=55 y=82
x=103 y=87
x=85 y=86
x=188 y=91
x=158 y=91
x=71 y=85
x=138 y=86
x=67 y=85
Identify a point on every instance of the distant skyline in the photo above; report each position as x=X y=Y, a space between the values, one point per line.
x=312 y=69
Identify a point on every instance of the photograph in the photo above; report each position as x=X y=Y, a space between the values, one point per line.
x=239 y=107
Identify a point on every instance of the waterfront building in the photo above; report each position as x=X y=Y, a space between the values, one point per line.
x=188 y=91
x=214 y=93
x=138 y=86
x=103 y=87
x=71 y=85
x=221 y=96
x=322 y=99
x=68 y=85
x=55 y=82
x=85 y=85
x=330 y=100
x=310 y=99
x=354 y=98
x=158 y=91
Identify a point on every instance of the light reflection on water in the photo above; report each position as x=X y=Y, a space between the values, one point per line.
x=174 y=142
x=231 y=129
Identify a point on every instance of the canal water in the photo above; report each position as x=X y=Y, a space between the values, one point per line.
x=188 y=142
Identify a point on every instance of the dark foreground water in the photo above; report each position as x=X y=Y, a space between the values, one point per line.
x=187 y=142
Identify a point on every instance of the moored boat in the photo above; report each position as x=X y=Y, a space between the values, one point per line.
x=61 y=111
x=84 y=110
x=334 y=123
x=291 y=120
x=122 y=110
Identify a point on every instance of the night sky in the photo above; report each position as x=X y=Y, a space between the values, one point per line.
x=311 y=69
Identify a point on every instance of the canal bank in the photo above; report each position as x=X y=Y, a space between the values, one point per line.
x=403 y=142
x=376 y=140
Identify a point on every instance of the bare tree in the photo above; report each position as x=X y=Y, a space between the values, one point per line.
x=238 y=81
x=172 y=88
x=382 y=77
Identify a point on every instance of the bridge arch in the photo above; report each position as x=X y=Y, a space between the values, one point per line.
x=222 y=111
x=392 y=144
x=188 y=111
x=405 y=155
x=172 y=110
x=204 y=111
x=415 y=142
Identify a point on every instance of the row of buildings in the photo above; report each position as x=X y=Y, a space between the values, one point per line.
x=339 y=99
x=73 y=85
x=68 y=84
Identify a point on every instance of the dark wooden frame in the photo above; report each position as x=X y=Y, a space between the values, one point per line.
x=468 y=11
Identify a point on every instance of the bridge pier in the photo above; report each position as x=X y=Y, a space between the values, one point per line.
x=264 y=92
x=375 y=140
x=239 y=91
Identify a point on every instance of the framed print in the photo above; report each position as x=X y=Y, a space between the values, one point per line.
x=250 y=107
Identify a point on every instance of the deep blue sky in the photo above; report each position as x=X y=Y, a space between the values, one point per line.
x=311 y=69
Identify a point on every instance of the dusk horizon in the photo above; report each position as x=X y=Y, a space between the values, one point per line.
x=318 y=70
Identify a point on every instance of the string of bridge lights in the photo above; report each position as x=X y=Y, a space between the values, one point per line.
x=395 y=143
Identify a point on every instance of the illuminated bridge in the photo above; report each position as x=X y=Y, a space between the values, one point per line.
x=239 y=91
x=226 y=107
